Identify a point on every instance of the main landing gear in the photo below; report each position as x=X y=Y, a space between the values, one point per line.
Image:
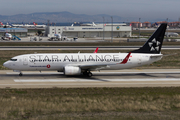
x=87 y=74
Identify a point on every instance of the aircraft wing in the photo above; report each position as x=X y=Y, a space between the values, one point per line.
x=93 y=67
x=101 y=66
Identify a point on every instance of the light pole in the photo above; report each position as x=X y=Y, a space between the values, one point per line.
x=112 y=29
x=139 y=27
x=103 y=28
x=167 y=29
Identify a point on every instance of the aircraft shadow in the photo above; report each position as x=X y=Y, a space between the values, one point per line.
x=126 y=75
x=88 y=78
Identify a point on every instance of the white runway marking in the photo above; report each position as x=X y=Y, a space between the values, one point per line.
x=60 y=73
x=136 y=72
x=174 y=83
x=94 y=80
x=34 y=73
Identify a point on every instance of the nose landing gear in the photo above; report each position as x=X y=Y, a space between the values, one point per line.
x=20 y=74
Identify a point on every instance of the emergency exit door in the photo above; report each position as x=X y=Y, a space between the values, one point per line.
x=25 y=60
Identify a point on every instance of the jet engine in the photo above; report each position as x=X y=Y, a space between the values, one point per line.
x=70 y=70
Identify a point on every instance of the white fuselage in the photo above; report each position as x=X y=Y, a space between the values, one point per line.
x=7 y=35
x=54 y=61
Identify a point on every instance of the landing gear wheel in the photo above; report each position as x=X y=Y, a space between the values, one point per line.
x=89 y=74
x=20 y=74
x=85 y=73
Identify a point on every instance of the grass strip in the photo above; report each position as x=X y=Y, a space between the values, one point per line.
x=90 y=103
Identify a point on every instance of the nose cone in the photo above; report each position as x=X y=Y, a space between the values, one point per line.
x=6 y=64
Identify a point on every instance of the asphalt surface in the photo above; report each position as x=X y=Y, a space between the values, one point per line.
x=120 y=78
x=78 y=47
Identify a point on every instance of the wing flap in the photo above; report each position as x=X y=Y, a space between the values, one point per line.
x=93 y=67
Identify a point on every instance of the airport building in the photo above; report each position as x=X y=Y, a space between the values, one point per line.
x=90 y=30
x=19 y=32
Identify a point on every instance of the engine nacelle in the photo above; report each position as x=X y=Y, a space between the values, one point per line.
x=70 y=70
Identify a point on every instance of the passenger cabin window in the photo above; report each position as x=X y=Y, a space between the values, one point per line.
x=13 y=59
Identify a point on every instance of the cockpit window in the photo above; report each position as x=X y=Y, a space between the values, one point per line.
x=13 y=59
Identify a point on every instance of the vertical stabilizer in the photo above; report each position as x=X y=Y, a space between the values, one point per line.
x=154 y=43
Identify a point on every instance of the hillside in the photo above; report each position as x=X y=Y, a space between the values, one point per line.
x=57 y=17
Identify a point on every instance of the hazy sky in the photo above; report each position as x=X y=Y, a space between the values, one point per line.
x=145 y=9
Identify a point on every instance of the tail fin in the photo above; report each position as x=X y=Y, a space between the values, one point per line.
x=154 y=43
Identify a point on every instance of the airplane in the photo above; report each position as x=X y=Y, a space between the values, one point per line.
x=34 y=23
x=7 y=35
x=170 y=34
x=1 y=24
x=27 y=25
x=56 y=36
x=5 y=26
x=8 y=25
x=84 y=63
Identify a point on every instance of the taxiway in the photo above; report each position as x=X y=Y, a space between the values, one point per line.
x=120 y=78
x=80 y=47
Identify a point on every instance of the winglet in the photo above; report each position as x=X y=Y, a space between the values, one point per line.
x=125 y=59
x=96 y=50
